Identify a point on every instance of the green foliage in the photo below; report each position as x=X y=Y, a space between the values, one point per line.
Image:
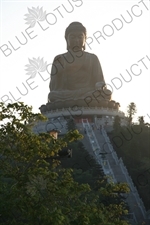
x=36 y=191
x=133 y=144
x=71 y=124
x=131 y=110
x=141 y=120
x=86 y=170
x=117 y=123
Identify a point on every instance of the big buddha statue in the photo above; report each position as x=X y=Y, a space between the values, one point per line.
x=76 y=74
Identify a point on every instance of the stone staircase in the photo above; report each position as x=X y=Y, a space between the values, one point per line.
x=98 y=145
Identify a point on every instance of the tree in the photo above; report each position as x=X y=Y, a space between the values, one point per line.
x=36 y=191
x=131 y=110
x=141 y=120
x=117 y=123
x=134 y=150
x=71 y=124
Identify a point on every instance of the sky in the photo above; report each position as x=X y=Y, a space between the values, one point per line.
x=118 y=32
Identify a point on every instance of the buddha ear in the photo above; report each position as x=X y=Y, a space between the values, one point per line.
x=67 y=45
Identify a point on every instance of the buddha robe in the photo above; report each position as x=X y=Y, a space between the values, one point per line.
x=74 y=77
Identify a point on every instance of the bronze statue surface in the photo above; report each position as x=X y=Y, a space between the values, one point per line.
x=76 y=73
x=78 y=77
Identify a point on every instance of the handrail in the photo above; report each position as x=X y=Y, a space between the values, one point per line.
x=95 y=145
x=128 y=178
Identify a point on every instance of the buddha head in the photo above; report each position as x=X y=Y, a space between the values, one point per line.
x=75 y=36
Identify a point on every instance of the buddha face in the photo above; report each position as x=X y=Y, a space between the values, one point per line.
x=76 y=40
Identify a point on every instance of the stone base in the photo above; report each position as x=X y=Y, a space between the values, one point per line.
x=57 y=119
x=80 y=103
x=77 y=111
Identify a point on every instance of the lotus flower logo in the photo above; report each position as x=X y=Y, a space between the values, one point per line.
x=35 y=66
x=34 y=15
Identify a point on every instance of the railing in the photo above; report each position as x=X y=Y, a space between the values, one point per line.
x=86 y=108
x=108 y=171
x=131 y=216
x=91 y=136
x=110 y=147
x=97 y=150
x=133 y=189
x=125 y=172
